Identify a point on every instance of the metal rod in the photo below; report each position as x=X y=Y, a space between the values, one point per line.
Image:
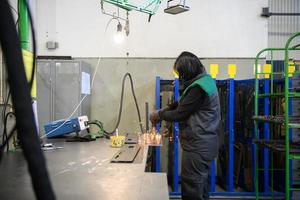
x=290 y=133
x=213 y=175
x=231 y=135
x=176 y=134
x=283 y=14
x=266 y=135
x=256 y=130
x=157 y=149
x=272 y=74
x=147 y=116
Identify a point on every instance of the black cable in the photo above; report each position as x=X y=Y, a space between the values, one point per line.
x=33 y=59
x=20 y=93
x=121 y=104
x=97 y=123
x=33 y=65
x=100 y=126
x=296 y=46
x=4 y=132
x=5 y=128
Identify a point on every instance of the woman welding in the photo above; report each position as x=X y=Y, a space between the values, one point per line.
x=198 y=114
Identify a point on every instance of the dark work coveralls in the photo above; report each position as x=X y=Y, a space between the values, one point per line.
x=198 y=114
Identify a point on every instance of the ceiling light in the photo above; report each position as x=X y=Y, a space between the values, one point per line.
x=119 y=36
x=176 y=9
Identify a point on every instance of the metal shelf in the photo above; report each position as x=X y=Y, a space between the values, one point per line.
x=279 y=95
x=279 y=146
x=278 y=73
x=278 y=120
x=291 y=150
x=293 y=125
x=269 y=118
x=295 y=189
x=294 y=156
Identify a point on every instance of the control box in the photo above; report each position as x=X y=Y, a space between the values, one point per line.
x=62 y=127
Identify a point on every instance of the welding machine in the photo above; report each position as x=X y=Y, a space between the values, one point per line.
x=62 y=127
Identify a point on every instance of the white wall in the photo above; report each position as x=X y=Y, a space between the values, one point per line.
x=218 y=28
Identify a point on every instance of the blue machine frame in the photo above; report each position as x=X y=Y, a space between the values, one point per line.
x=230 y=126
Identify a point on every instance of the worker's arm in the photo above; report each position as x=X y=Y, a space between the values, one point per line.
x=191 y=103
x=173 y=106
x=169 y=107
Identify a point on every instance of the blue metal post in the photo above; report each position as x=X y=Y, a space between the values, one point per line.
x=176 y=133
x=231 y=135
x=213 y=175
x=266 y=136
x=254 y=150
x=291 y=138
x=157 y=149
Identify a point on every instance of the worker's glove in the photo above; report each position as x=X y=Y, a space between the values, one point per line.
x=154 y=118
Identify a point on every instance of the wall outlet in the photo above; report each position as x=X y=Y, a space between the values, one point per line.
x=51 y=45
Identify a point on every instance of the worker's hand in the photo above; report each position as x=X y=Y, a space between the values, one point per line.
x=167 y=108
x=154 y=117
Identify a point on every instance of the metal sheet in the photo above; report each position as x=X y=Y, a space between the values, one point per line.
x=126 y=154
x=67 y=89
x=86 y=104
x=44 y=93
x=131 y=138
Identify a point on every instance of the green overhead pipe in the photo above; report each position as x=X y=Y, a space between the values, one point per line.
x=23 y=22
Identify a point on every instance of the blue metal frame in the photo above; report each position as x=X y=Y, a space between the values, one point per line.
x=230 y=136
x=237 y=194
x=176 y=150
x=266 y=135
x=213 y=175
x=230 y=125
x=157 y=149
x=291 y=137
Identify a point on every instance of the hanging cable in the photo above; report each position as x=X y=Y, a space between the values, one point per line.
x=4 y=132
x=4 y=136
x=6 y=102
x=121 y=104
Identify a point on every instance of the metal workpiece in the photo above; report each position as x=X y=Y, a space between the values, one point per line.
x=126 y=154
x=84 y=171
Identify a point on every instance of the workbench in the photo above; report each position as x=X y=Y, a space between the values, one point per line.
x=83 y=171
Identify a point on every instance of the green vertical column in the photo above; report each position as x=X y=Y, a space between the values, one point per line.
x=23 y=24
